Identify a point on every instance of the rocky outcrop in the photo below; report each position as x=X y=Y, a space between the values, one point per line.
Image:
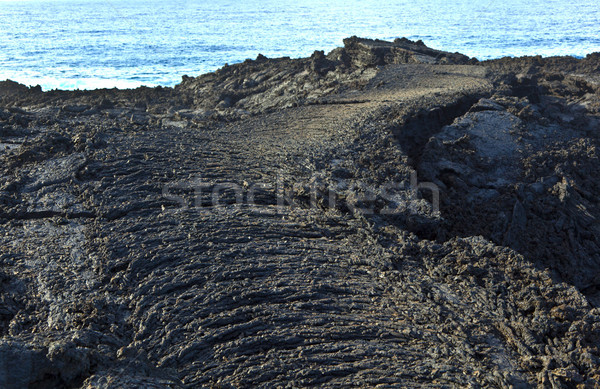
x=265 y=84
x=385 y=214
x=366 y=52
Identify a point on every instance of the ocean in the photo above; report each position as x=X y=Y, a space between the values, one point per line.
x=88 y=44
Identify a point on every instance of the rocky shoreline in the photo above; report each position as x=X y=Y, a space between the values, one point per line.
x=382 y=215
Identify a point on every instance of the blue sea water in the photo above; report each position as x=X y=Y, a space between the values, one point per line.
x=89 y=44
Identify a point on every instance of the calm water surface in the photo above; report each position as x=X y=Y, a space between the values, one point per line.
x=89 y=44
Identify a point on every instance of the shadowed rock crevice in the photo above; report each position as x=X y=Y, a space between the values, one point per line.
x=416 y=128
x=505 y=173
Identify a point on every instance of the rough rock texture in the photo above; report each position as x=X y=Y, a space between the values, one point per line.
x=386 y=214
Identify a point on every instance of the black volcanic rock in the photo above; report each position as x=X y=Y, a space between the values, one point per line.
x=11 y=88
x=368 y=52
x=383 y=215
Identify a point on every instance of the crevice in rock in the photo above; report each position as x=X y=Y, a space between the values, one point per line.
x=415 y=128
x=500 y=179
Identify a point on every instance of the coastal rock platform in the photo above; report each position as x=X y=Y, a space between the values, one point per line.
x=384 y=215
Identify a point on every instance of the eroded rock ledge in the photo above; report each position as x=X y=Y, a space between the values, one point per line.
x=384 y=214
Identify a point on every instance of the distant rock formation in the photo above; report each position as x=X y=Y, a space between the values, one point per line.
x=367 y=52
